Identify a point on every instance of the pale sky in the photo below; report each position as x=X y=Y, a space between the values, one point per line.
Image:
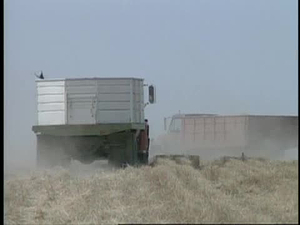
x=204 y=56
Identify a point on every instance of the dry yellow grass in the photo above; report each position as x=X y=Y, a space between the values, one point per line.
x=232 y=192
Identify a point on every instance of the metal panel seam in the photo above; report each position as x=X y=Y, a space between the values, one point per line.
x=66 y=103
x=131 y=101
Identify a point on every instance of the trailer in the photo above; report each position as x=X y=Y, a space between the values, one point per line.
x=211 y=135
x=87 y=119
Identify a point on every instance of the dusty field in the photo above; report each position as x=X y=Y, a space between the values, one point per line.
x=232 y=192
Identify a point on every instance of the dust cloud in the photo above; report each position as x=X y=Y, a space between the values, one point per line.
x=268 y=149
x=291 y=154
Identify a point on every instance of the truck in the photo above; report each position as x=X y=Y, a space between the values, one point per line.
x=88 y=119
x=211 y=135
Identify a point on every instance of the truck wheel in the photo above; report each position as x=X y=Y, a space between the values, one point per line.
x=143 y=158
x=195 y=160
x=120 y=149
x=114 y=158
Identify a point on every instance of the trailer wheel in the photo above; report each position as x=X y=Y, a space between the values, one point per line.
x=195 y=160
x=143 y=158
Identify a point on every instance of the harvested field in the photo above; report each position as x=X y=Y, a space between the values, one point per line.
x=233 y=191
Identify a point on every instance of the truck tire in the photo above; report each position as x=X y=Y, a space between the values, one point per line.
x=115 y=158
x=123 y=149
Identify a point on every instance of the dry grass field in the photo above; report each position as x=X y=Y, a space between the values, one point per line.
x=254 y=191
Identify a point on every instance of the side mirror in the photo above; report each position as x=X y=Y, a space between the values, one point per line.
x=165 y=123
x=152 y=94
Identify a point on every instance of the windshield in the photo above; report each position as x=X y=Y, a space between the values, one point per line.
x=175 y=125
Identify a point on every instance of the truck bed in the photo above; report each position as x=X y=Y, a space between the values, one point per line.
x=255 y=133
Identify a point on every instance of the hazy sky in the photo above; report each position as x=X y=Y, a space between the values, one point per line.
x=204 y=56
